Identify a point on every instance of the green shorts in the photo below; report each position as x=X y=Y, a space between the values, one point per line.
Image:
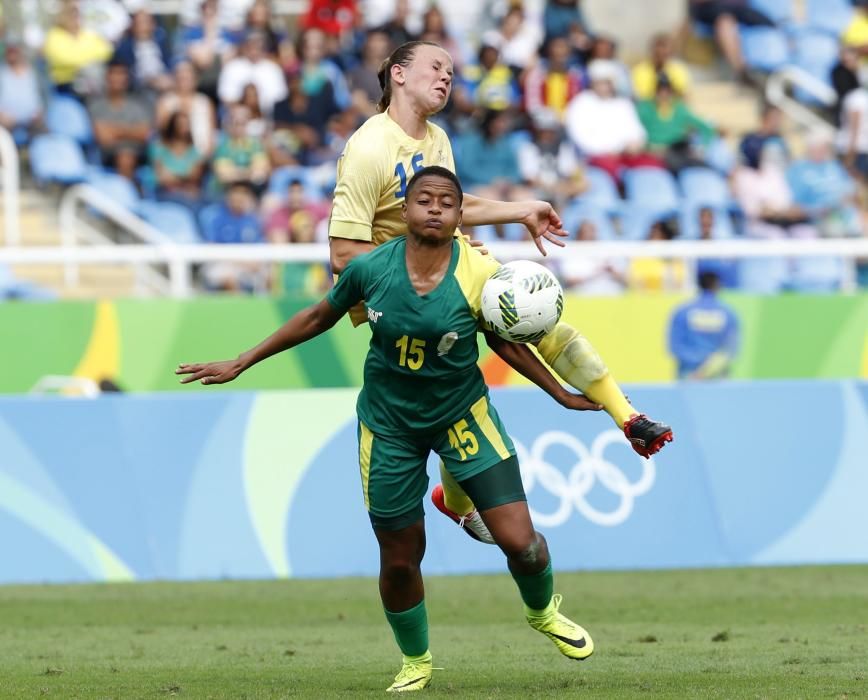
x=394 y=468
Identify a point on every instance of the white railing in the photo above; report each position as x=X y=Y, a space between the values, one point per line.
x=793 y=77
x=278 y=7
x=179 y=259
x=11 y=190
x=73 y=227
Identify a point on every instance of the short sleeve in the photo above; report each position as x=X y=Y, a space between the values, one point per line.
x=472 y=273
x=349 y=290
x=357 y=192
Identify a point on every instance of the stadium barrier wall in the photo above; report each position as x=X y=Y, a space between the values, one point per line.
x=247 y=484
x=138 y=342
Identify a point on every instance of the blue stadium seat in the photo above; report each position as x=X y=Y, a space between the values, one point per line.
x=115 y=186
x=174 y=220
x=778 y=11
x=817 y=274
x=636 y=222
x=816 y=53
x=56 y=158
x=653 y=189
x=704 y=187
x=763 y=275
x=67 y=116
x=688 y=221
x=207 y=216
x=580 y=210
x=831 y=16
x=764 y=48
x=601 y=191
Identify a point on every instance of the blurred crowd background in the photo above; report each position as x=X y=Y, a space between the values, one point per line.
x=223 y=123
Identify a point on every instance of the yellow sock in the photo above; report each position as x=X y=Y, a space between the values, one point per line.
x=607 y=392
x=575 y=360
x=453 y=495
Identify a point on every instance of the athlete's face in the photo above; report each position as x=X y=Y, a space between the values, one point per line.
x=427 y=79
x=432 y=209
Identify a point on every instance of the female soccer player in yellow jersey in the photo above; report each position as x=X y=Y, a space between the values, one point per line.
x=373 y=172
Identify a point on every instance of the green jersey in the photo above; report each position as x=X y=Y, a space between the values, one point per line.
x=421 y=372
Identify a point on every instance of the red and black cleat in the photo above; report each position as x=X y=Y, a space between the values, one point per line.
x=647 y=437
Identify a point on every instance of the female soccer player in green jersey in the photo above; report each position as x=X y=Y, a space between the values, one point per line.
x=423 y=391
x=372 y=177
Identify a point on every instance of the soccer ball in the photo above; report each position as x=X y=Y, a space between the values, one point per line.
x=522 y=301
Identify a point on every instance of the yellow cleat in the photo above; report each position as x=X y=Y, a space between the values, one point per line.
x=414 y=675
x=571 y=639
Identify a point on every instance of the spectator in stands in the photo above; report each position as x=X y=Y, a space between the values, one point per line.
x=593 y=276
x=397 y=26
x=258 y=125
x=553 y=82
x=144 y=49
x=658 y=274
x=196 y=105
x=486 y=161
x=178 y=165
x=240 y=158
x=725 y=268
x=259 y=19
x=548 y=162
x=604 y=48
x=488 y=84
x=434 y=29
x=252 y=66
x=770 y=131
x=304 y=115
x=855 y=35
x=121 y=122
x=289 y=223
x=208 y=44
x=704 y=333
x=604 y=126
x=517 y=38
x=845 y=78
x=234 y=220
x=230 y=16
x=766 y=199
x=823 y=188
x=660 y=63
x=363 y=81
x=723 y=17
x=853 y=135
x=670 y=126
x=75 y=56
x=562 y=16
x=317 y=70
x=21 y=109
x=333 y=17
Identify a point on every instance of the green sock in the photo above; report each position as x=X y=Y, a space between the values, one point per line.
x=536 y=589
x=411 y=629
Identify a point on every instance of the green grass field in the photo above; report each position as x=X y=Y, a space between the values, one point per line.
x=733 y=633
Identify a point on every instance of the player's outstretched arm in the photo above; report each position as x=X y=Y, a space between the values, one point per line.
x=538 y=217
x=306 y=324
x=522 y=359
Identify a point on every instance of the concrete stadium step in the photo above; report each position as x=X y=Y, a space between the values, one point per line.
x=733 y=108
x=95 y=281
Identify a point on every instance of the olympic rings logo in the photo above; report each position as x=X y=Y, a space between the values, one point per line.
x=573 y=487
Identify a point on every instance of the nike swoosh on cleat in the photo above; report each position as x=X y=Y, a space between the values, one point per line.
x=416 y=680
x=577 y=643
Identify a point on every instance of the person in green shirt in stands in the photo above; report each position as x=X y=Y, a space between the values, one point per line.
x=670 y=124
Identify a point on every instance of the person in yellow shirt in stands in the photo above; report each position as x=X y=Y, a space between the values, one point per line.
x=660 y=62
x=657 y=274
x=855 y=36
x=71 y=50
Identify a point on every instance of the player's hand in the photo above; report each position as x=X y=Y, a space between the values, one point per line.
x=211 y=372
x=479 y=244
x=579 y=402
x=543 y=222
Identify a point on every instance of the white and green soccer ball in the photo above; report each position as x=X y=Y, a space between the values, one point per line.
x=522 y=301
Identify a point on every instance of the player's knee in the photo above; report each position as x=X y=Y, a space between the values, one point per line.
x=534 y=555
x=400 y=571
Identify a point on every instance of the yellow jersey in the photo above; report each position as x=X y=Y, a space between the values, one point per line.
x=373 y=171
